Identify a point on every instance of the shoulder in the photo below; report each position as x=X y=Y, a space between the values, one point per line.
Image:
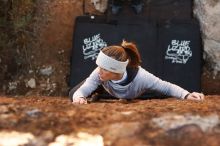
x=143 y=74
x=142 y=71
x=94 y=74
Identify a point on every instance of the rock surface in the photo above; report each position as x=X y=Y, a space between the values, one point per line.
x=208 y=13
x=55 y=121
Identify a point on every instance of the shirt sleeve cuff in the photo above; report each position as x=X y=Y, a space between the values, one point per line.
x=185 y=94
x=76 y=94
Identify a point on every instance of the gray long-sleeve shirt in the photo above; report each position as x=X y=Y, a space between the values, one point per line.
x=142 y=82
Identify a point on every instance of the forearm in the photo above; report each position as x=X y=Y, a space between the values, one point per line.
x=90 y=85
x=174 y=90
x=166 y=88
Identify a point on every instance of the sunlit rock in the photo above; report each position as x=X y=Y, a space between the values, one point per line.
x=15 y=138
x=82 y=139
x=100 y=5
x=172 y=121
x=31 y=83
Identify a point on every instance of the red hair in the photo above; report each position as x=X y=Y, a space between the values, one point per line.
x=127 y=50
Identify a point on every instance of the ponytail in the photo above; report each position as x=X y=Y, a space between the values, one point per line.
x=132 y=53
x=127 y=50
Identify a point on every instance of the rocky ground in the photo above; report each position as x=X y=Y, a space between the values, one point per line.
x=54 y=121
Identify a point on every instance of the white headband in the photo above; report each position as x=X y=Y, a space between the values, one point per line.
x=111 y=64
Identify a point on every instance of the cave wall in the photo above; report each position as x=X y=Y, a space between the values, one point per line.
x=208 y=13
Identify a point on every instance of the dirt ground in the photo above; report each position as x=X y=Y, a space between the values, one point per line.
x=120 y=123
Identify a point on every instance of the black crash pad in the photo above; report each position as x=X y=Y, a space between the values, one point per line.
x=170 y=50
